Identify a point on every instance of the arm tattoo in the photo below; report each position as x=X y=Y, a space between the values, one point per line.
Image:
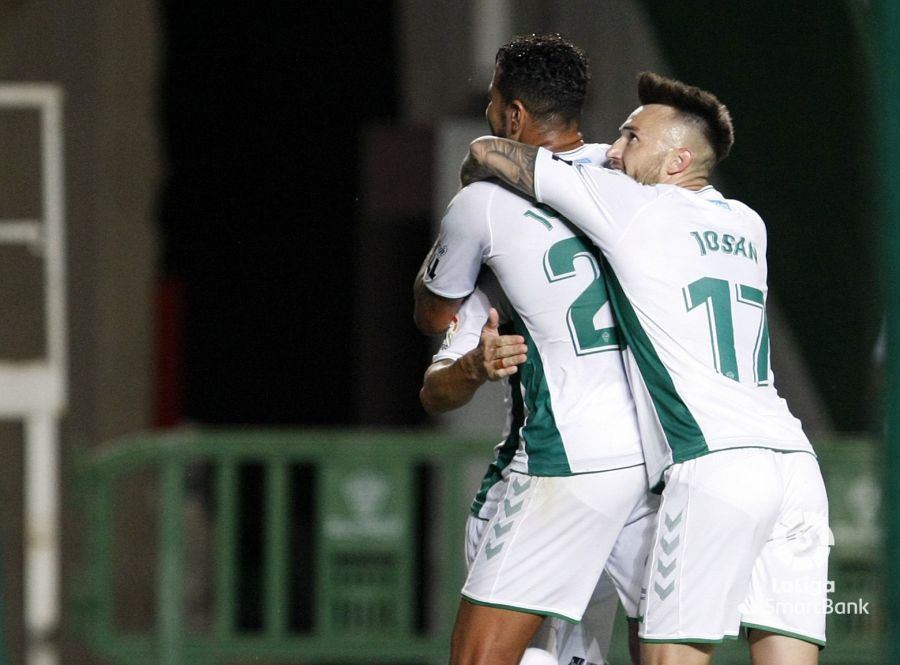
x=512 y=162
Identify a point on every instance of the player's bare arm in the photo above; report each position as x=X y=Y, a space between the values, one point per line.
x=432 y=313
x=450 y=384
x=492 y=157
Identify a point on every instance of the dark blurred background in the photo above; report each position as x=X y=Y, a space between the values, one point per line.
x=266 y=115
x=262 y=112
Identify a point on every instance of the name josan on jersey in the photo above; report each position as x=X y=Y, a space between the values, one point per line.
x=687 y=276
x=579 y=412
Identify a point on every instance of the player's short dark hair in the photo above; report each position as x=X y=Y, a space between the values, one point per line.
x=696 y=105
x=547 y=73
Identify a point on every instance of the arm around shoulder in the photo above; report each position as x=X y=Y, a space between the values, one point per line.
x=492 y=157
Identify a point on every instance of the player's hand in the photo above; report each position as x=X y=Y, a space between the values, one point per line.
x=501 y=353
x=472 y=170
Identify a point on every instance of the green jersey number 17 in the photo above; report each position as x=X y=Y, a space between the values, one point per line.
x=716 y=295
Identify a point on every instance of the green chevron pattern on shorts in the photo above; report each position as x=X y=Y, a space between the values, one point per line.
x=664 y=591
x=546 y=451
x=493 y=547
x=510 y=508
x=501 y=530
x=666 y=570
x=668 y=546
x=672 y=523
x=682 y=432
x=518 y=486
x=668 y=542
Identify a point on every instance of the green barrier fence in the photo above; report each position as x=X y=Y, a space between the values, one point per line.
x=346 y=547
x=376 y=563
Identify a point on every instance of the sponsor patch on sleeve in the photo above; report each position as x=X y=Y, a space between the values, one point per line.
x=451 y=331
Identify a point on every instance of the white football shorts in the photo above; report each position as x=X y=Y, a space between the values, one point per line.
x=557 y=641
x=545 y=548
x=732 y=529
x=790 y=578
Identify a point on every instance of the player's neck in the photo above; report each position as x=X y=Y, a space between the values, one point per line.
x=563 y=141
x=555 y=140
x=695 y=182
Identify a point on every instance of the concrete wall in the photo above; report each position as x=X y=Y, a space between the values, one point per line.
x=104 y=55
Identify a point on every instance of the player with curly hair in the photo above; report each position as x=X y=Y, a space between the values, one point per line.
x=576 y=499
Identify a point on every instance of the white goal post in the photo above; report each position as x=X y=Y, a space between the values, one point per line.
x=35 y=391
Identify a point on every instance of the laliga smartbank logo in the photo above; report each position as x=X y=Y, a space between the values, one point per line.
x=807 y=596
x=803 y=587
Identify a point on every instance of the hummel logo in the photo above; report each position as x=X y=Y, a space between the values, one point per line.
x=665 y=570
x=663 y=593
x=518 y=487
x=511 y=509
x=668 y=547
x=672 y=523
x=502 y=529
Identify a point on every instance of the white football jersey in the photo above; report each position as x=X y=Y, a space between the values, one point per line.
x=580 y=415
x=687 y=277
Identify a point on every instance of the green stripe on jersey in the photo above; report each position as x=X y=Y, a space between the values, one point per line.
x=681 y=430
x=544 y=445
x=508 y=449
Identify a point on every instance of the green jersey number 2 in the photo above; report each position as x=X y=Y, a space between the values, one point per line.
x=559 y=264
x=716 y=296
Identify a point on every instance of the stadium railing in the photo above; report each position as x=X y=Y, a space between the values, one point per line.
x=358 y=535
x=332 y=546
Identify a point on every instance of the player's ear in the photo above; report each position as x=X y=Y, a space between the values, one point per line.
x=679 y=161
x=516 y=119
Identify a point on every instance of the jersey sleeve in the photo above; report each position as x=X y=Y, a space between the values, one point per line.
x=463 y=243
x=464 y=332
x=601 y=202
